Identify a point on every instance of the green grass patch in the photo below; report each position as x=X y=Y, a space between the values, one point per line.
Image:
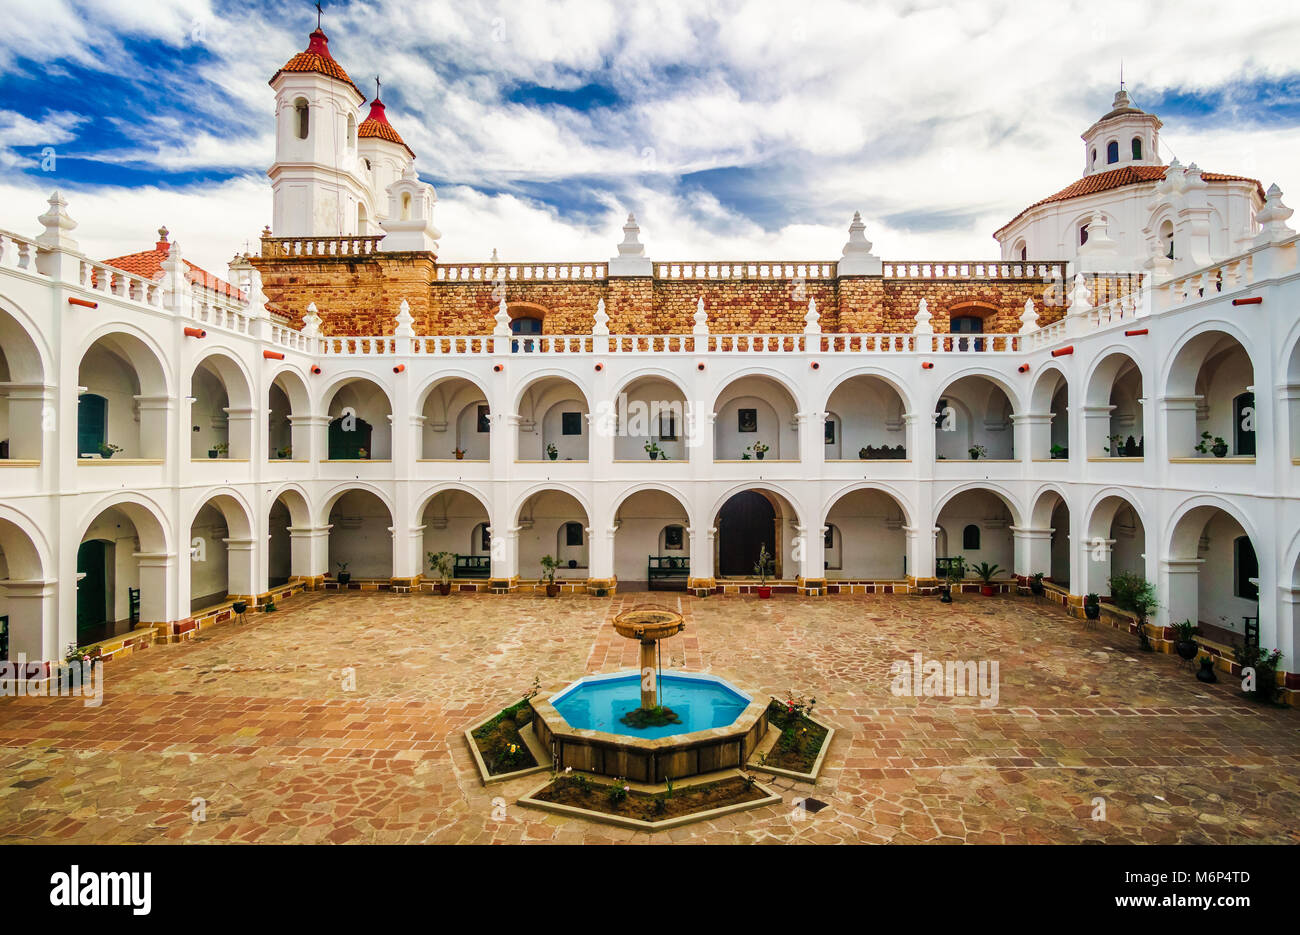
x=498 y=740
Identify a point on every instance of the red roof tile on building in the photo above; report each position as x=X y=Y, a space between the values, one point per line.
x=148 y=263
x=1119 y=178
x=376 y=125
x=317 y=59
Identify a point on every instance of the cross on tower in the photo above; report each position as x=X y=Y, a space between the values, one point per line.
x=376 y=87
x=319 y=11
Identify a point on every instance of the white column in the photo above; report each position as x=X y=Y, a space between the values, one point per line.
x=33 y=623
x=1096 y=431
x=920 y=551
x=1095 y=559
x=702 y=550
x=241 y=567
x=155 y=416
x=812 y=442
x=241 y=432
x=1032 y=435
x=1178 y=589
x=409 y=558
x=28 y=424
x=160 y=600
x=309 y=551
x=600 y=557
x=1033 y=550
x=307 y=437
x=1179 y=414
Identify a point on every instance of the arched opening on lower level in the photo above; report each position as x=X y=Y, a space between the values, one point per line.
x=975 y=525
x=863 y=538
x=652 y=550
x=22 y=617
x=554 y=523
x=457 y=522
x=1115 y=544
x=121 y=572
x=747 y=523
x=1213 y=574
x=361 y=537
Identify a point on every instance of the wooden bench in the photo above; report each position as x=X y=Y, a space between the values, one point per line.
x=472 y=566
x=672 y=568
x=133 y=606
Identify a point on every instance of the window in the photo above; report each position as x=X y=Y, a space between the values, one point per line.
x=967 y=324
x=1137 y=147
x=301 y=118
x=970 y=538
x=673 y=538
x=828 y=541
x=1245 y=567
x=747 y=420
x=524 y=326
x=667 y=425
x=1094 y=158
x=1112 y=152
x=406 y=206
x=1167 y=235
x=571 y=423
x=1083 y=234
x=92 y=423
x=573 y=534
x=830 y=431
x=352 y=132
x=1243 y=428
x=484 y=423
x=362 y=219
x=1024 y=253
x=484 y=538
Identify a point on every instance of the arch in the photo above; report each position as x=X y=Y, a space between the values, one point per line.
x=372 y=404
x=980 y=505
x=363 y=542
x=227 y=365
x=1008 y=500
x=1040 y=514
x=1112 y=152
x=1042 y=394
x=232 y=505
x=1048 y=504
x=444 y=375
x=645 y=373
x=887 y=489
x=149 y=519
x=218 y=569
x=542 y=488
x=25 y=549
x=1210 y=366
x=452 y=516
x=747 y=412
x=452 y=407
x=545 y=533
x=293 y=383
x=993 y=376
x=1185 y=358
x=975 y=409
x=1201 y=580
x=342 y=380
x=24 y=344
x=891 y=379
x=337 y=491
x=650 y=407
x=621 y=497
x=549 y=373
x=862 y=537
x=642 y=515
x=295 y=501
x=214 y=423
x=776 y=376
x=546 y=408
x=1136 y=148
x=301 y=118
x=424 y=499
x=1180 y=543
x=765 y=485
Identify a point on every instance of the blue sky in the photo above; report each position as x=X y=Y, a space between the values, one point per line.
x=733 y=129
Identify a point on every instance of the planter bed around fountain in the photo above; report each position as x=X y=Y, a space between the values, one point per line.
x=489 y=742
x=651 y=808
x=797 y=747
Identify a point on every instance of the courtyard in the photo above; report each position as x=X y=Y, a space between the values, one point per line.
x=254 y=732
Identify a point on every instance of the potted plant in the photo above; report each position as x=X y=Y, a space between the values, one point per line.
x=444 y=563
x=549 y=564
x=1143 y=600
x=1092 y=606
x=219 y=450
x=551 y=451
x=107 y=451
x=1116 y=447
x=363 y=453
x=955 y=571
x=269 y=606
x=285 y=453
x=864 y=453
x=1265 y=663
x=1206 y=672
x=761 y=569
x=977 y=451
x=1215 y=446
x=652 y=449
x=1184 y=643
x=1036 y=584
x=985 y=572
x=1059 y=452
x=239 y=607
x=459 y=453
x=759 y=450
x=1132 y=448
x=745 y=456
x=344 y=575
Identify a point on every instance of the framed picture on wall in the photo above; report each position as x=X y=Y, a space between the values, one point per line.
x=673 y=538
x=748 y=420
x=484 y=423
x=573 y=533
x=668 y=426
x=571 y=423
x=830 y=432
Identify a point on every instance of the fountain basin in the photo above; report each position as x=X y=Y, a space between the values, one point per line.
x=721 y=726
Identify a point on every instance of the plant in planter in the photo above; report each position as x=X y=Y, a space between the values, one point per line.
x=761 y=568
x=1132 y=448
x=107 y=451
x=977 y=451
x=459 y=453
x=549 y=564
x=551 y=451
x=1206 y=671
x=745 y=455
x=363 y=454
x=760 y=449
x=269 y=606
x=1092 y=606
x=954 y=571
x=1264 y=662
x=1059 y=452
x=1216 y=446
x=865 y=453
x=985 y=572
x=219 y=450
x=1184 y=640
x=344 y=575
x=284 y=453
x=444 y=563
x=652 y=449
x=1144 y=601
x=1036 y=584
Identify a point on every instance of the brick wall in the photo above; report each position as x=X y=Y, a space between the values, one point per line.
x=361 y=295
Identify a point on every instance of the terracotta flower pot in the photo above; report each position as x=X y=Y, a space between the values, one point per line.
x=987 y=590
x=764 y=591
x=444 y=588
x=552 y=590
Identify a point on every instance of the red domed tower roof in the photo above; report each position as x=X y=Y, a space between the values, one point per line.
x=317 y=58
x=376 y=125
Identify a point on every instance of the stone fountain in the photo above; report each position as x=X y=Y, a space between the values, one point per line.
x=649 y=625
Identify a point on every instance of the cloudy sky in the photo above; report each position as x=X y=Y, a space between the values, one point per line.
x=734 y=130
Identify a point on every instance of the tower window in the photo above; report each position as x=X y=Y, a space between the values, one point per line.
x=301 y=118
x=406 y=206
x=352 y=132
x=1094 y=158
x=1083 y=234
x=1167 y=235
x=1112 y=152
x=1137 y=147
x=1246 y=566
x=970 y=538
x=1024 y=253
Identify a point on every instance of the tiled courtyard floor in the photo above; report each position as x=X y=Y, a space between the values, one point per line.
x=253 y=720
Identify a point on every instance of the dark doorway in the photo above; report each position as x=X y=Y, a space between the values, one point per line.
x=347 y=445
x=93 y=619
x=1243 y=414
x=92 y=423
x=968 y=324
x=525 y=326
x=745 y=522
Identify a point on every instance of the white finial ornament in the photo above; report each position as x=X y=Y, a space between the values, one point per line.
x=1080 y=296
x=812 y=321
x=701 y=318
x=1028 y=318
x=602 y=319
x=857 y=258
x=405 y=321
x=502 y=319
x=311 y=321
x=923 y=317
x=58 y=224
x=1272 y=218
x=631 y=259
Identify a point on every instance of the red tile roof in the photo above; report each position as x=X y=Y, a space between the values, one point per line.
x=1118 y=178
x=376 y=125
x=148 y=263
x=317 y=58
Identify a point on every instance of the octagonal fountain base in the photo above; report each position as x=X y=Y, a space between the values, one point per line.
x=651 y=759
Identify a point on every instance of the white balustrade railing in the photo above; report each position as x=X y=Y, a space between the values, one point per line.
x=449 y=346
x=651 y=344
x=17 y=252
x=347 y=346
x=745 y=269
x=974 y=269
x=97 y=277
x=520 y=272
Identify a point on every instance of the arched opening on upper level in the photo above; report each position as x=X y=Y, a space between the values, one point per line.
x=1113 y=413
x=221 y=414
x=650 y=420
x=287 y=425
x=1050 y=398
x=1210 y=398
x=972 y=421
x=22 y=393
x=360 y=422
x=124 y=405
x=755 y=420
x=553 y=421
x=456 y=421
x=866 y=421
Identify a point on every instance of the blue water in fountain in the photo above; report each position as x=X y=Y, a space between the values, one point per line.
x=700 y=703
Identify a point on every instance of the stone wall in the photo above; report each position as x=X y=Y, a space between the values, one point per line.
x=360 y=295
